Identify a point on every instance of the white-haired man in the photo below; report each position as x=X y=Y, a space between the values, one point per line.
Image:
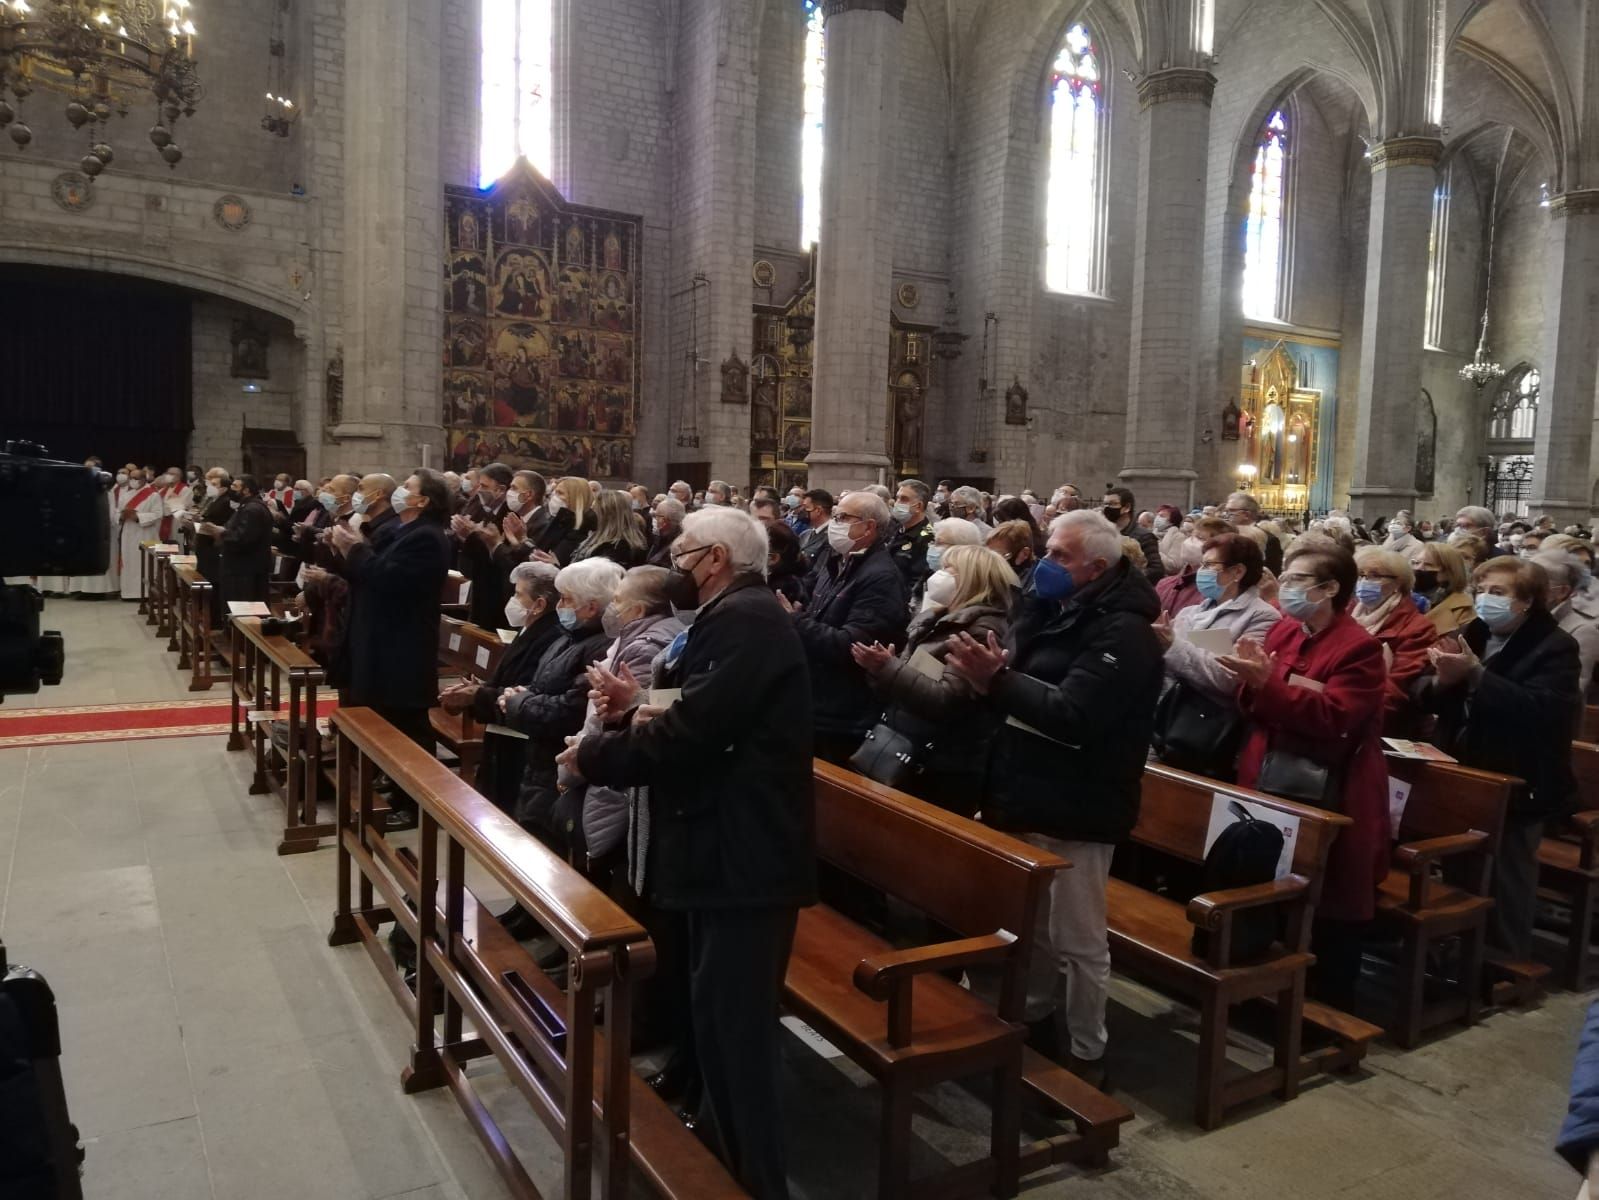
x=682 y=493
x=1077 y=685
x=1243 y=510
x=1477 y=522
x=667 y=524
x=858 y=595
x=731 y=833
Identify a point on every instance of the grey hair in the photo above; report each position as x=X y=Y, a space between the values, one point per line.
x=1396 y=563
x=966 y=494
x=534 y=570
x=1247 y=502
x=591 y=581
x=1099 y=538
x=1562 y=566
x=956 y=531
x=648 y=586
x=876 y=510
x=920 y=490
x=671 y=508
x=881 y=492
x=679 y=483
x=717 y=485
x=1478 y=516
x=741 y=535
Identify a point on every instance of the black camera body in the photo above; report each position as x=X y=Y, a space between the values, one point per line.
x=69 y=533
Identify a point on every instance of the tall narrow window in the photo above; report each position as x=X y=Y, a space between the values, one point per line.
x=1437 y=264
x=811 y=127
x=1073 y=222
x=518 y=44
x=1263 y=231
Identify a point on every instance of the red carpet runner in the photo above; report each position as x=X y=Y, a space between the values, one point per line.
x=117 y=722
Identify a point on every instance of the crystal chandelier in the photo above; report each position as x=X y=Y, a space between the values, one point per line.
x=1482 y=370
x=101 y=54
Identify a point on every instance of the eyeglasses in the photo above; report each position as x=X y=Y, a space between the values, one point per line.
x=1298 y=580
x=844 y=518
x=1213 y=565
x=680 y=556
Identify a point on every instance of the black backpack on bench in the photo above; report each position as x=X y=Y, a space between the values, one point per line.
x=1244 y=854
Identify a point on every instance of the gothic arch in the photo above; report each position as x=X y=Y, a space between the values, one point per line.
x=1553 y=108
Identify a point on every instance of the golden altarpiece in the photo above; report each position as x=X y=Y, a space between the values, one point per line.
x=1276 y=431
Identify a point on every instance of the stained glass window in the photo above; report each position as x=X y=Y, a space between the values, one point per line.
x=1514 y=415
x=811 y=127
x=1263 y=232
x=1437 y=265
x=1072 y=220
x=518 y=44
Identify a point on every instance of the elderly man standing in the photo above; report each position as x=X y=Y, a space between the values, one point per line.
x=1244 y=510
x=731 y=829
x=668 y=523
x=1077 y=685
x=1477 y=522
x=857 y=595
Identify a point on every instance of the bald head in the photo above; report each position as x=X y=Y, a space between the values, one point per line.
x=375 y=491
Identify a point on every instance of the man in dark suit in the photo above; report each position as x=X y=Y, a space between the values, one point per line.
x=246 y=543
x=394 y=613
x=816 y=506
x=731 y=835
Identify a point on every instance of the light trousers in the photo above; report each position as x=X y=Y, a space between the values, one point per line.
x=1071 y=948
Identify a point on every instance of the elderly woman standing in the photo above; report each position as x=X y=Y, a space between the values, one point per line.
x=1313 y=696
x=929 y=702
x=1228 y=579
x=1441 y=579
x=952 y=531
x=550 y=708
x=1384 y=609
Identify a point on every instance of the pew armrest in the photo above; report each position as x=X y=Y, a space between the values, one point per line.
x=1585 y=826
x=1417 y=859
x=1213 y=912
x=890 y=976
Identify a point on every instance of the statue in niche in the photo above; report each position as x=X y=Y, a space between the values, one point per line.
x=735 y=380
x=1016 y=403
x=1271 y=470
x=1229 y=422
x=249 y=349
x=908 y=425
x=763 y=413
x=1426 y=445
x=613 y=252
x=335 y=387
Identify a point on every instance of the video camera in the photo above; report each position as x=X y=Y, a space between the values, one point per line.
x=68 y=532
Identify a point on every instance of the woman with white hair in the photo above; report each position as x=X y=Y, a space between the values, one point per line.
x=1401 y=538
x=1574 y=609
x=531 y=612
x=1383 y=607
x=550 y=708
x=952 y=531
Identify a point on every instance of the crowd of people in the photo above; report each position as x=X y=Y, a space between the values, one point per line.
x=679 y=658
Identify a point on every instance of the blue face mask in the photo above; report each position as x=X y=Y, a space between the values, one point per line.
x=1496 y=611
x=567 y=617
x=1208 y=581
x=1296 y=602
x=1369 y=592
x=1051 y=581
x=935 y=555
x=328 y=500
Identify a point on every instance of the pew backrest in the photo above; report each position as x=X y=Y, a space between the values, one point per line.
x=1447 y=799
x=469 y=650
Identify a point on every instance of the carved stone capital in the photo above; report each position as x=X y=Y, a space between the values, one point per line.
x=1406 y=152
x=1581 y=203
x=894 y=8
x=1189 y=85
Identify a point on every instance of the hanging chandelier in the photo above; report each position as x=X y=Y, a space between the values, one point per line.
x=101 y=54
x=1482 y=370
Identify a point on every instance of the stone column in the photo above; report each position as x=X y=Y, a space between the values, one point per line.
x=1562 y=485
x=1403 y=178
x=1168 y=259
x=855 y=251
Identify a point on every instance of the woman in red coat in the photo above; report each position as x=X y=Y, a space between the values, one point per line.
x=1316 y=690
x=1384 y=609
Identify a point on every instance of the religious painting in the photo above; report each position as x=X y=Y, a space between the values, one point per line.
x=541 y=360
x=1278 y=425
x=249 y=342
x=766 y=375
x=777 y=386
x=1229 y=422
x=1016 y=403
x=735 y=380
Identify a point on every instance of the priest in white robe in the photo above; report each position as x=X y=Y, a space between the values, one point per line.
x=109 y=583
x=141 y=510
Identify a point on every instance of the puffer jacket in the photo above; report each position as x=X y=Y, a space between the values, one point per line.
x=549 y=712
x=860 y=598
x=605 y=810
x=943 y=712
x=1083 y=678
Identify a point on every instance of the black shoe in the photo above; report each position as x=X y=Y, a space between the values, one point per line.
x=1043 y=1037
x=522 y=925
x=691 y=1120
x=673 y=1081
x=398 y=820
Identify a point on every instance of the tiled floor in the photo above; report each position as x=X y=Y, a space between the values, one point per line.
x=216 y=1047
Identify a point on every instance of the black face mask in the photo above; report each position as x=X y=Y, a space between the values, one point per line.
x=681 y=590
x=1426 y=581
x=1112 y=514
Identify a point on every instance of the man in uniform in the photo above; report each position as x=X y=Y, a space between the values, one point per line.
x=914 y=534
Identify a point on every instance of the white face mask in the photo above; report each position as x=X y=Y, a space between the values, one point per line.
x=516 y=613
x=193 y=478
x=358 y=502
x=513 y=501
x=212 y=491
x=122 y=477
x=1162 y=525
x=839 y=537
x=556 y=503
x=941 y=587
x=400 y=497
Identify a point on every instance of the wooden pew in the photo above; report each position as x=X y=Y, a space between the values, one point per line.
x=454 y=595
x=1150 y=935
x=1589 y=728
x=902 y=1021
x=196 y=651
x=579 y=1083
x=1439 y=885
x=261 y=662
x=1568 y=868
x=472 y=653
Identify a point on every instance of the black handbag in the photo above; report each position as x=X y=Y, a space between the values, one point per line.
x=1194 y=732
x=1299 y=777
x=888 y=756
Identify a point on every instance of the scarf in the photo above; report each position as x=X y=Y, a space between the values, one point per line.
x=1371 y=620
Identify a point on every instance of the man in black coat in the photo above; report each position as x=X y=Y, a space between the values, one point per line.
x=1507 y=698
x=215 y=508
x=858 y=595
x=731 y=832
x=1076 y=686
x=246 y=544
x=379 y=520
x=393 y=639
x=476 y=538
x=1120 y=510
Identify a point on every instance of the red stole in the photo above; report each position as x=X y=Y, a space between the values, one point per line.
x=144 y=494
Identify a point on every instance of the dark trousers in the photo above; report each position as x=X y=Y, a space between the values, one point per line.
x=414 y=723
x=737 y=958
x=1515 y=888
x=1336 y=971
